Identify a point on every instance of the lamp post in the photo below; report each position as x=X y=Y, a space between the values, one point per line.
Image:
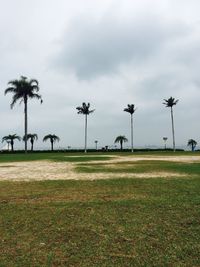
x=165 y=140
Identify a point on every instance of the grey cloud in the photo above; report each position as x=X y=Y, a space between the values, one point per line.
x=93 y=48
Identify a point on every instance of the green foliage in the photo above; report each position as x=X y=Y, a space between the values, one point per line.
x=11 y=137
x=85 y=109
x=130 y=108
x=23 y=89
x=170 y=102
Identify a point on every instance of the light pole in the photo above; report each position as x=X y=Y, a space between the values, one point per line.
x=96 y=142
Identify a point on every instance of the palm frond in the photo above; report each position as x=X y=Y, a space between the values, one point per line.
x=85 y=109
x=11 y=137
x=52 y=137
x=121 y=138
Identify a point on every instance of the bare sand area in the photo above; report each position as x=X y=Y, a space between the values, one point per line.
x=184 y=159
x=50 y=170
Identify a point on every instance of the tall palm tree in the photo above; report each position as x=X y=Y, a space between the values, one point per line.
x=85 y=110
x=121 y=139
x=131 y=109
x=10 y=138
x=22 y=90
x=53 y=138
x=169 y=103
x=32 y=137
x=192 y=143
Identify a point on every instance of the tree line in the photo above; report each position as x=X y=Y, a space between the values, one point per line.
x=24 y=89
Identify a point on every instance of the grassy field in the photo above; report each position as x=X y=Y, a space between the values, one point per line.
x=117 y=222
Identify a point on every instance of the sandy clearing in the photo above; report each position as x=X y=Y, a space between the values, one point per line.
x=50 y=170
x=184 y=159
x=93 y=156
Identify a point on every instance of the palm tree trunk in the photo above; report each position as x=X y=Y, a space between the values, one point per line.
x=173 y=135
x=51 y=146
x=131 y=132
x=31 y=145
x=85 y=133
x=12 y=145
x=25 y=123
x=121 y=144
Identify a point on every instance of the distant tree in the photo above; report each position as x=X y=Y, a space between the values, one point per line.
x=169 y=103
x=165 y=141
x=192 y=143
x=33 y=138
x=53 y=138
x=131 y=109
x=85 y=110
x=22 y=90
x=10 y=138
x=121 y=139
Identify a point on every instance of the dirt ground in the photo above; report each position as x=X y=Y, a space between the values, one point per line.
x=50 y=170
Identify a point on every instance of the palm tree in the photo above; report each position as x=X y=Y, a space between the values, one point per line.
x=22 y=90
x=32 y=137
x=85 y=110
x=131 y=109
x=121 y=139
x=53 y=138
x=10 y=138
x=169 y=103
x=192 y=143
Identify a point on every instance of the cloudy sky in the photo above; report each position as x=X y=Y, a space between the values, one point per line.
x=109 y=53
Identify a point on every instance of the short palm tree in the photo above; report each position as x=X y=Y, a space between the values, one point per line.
x=169 y=103
x=53 y=138
x=131 y=109
x=22 y=90
x=32 y=137
x=192 y=143
x=85 y=110
x=121 y=139
x=10 y=138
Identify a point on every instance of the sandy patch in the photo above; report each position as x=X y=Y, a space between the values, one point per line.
x=50 y=170
x=184 y=159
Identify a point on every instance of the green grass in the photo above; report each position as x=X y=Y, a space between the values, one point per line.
x=79 y=157
x=68 y=157
x=141 y=167
x=103 y=223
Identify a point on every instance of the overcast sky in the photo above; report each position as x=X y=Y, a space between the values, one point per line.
x=107 y=52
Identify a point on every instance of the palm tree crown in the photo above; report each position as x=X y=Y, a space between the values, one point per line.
x=10 y=138
x=85 y=109
x=53 y=138
x=130 y=108
x=121 y=139
x=170 y=102
x=23 y=89
x=192 y=143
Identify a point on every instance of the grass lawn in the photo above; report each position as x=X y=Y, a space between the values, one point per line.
x=117 y=222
